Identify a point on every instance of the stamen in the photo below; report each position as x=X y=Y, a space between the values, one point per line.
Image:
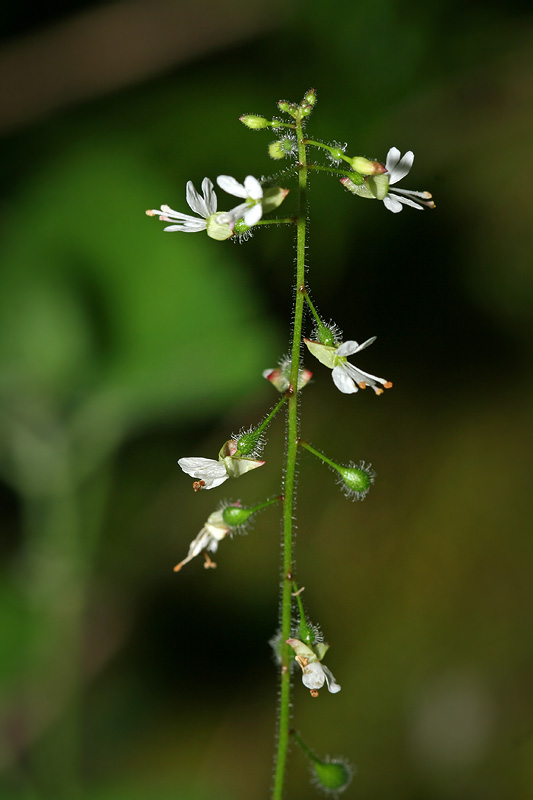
x=197 y=485
x=208 y=563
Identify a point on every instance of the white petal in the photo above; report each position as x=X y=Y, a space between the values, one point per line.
x=253 y=187
x=393 y=156
x=169 y=214
x=347 y=348
x=313 y=675
x=406 y=201
x=401 y=169
x=342 y=381
x=368 y=342
x=253 y=215
x=203 y=468
x=333 y=686
x=392 y=203
x=209 y=196
x=231 y=186
x=360 y=376
x=412 y=193
x=194 y=200
x=185 y=228
x=233 y=216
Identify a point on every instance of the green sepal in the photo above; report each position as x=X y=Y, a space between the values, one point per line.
x=378 y=186
x=217 y=230
x=273 y=197
x=325 y=353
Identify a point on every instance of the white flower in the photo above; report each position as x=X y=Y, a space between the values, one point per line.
x=398 y=167
x=347 y=378
x=377 y=187
x=252 y=209
x=208 y=472
x=314 y=674
x=211 y=534
x=205 y=206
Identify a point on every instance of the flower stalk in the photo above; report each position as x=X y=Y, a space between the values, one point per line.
x=290 y=472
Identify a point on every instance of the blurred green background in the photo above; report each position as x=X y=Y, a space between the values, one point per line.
x=123 y=349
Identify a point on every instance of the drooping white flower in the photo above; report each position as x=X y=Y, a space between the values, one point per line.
x=252 y=192
x=314 y=674
x=347 y=378
x=378 y=187
x=208 y=472
x=397 y=168
x=214 y=530
x=205 y=206
x=280 y=376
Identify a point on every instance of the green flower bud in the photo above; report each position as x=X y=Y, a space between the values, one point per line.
x=332 y=776
x=366 y=167
x=305 y=110
x=235 y=516
x=325 y=335
x=250 y=442
x=310 y=97
x=254 y=122
x=283 y=105
x=276 y=151
x=356 y=481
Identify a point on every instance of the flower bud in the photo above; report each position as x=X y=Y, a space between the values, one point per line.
x=310 y=97
x=356 y=481
x=305 y=109
x=249 y=442
x=236 y=515
x=280 y=377
x=366 y=167
x=254 y=122
x=276 y=151
x=332 y=776
x=325 y=335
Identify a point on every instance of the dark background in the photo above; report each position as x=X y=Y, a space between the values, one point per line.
x=123 y=349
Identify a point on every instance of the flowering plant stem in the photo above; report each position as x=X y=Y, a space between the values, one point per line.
x=289 y=471
x=319 y=455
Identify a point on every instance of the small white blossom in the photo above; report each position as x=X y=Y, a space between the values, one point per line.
x=378 y=186
x=398 y=167
x=211 y=534
x=208 y=472
x=252 y=192
x=347 y=378
x=314 y=674
x=205 y=206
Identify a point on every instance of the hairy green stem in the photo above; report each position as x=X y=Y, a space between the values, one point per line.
x=356 y=177
x=268 y=419
x=318 y=454
x=290 y=471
